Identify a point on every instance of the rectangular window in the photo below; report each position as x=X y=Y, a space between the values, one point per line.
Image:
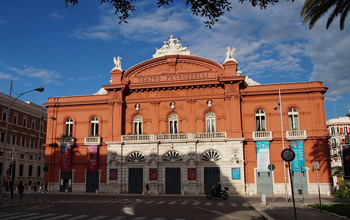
x=38 y=171
x=4 y=116
x=15 y=119
x=21 y=168
x=22 y=156
x=13 y=139
x=346 y=130
x=30 y=170
x=23 y=141
x=2 y=137
x=33 y=125
x=333 y=131
x=41 y=127
x=24 y=122
x=113 y=174
x=32 y=143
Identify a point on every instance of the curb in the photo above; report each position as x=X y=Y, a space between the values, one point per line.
x=263 y=214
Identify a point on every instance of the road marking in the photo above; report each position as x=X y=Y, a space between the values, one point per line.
x=172 y=203
x=5 y=215
x=40 y=216
x=78 y=217
x=233 y=204
x=184 y=203
x=139 y=218
x=106 y=201
x=158 y=218
x=98 y=217
x=220 y=204
x=116 y=201
x=58 y=217
x=118 y=218
x=196 y=203
x=149 y=202
x=161 y=202
x=207 y=203
x=246 y=205
x=23 y=216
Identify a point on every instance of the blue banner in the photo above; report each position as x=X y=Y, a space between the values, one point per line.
x=263 y=155
x=299 y=161
x=236 y=173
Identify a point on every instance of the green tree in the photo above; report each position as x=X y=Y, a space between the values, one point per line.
x=212 y=10
x=313 y=10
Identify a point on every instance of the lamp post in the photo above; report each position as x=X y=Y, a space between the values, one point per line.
x=39 y=89
x=282 y=133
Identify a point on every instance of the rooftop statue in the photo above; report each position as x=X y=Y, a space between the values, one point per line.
x=170 y=47
x=229 y=54
x=118 y=63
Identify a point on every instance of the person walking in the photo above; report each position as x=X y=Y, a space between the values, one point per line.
x=20 y=189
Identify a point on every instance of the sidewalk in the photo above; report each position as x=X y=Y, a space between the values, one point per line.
x=280 y=209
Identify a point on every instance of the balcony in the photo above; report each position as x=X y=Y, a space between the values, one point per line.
x=262 y=135
x=66 y=140
x=178 y=136
x=92 y=140
x=296 y=135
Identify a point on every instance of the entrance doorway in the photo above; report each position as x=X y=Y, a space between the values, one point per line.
x=135 y=180
x=92 y=182
x=211 y=176
x=264 y=182
x=66 y=182
x=172 y=181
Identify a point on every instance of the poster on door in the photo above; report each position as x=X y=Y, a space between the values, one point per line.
x=66 y=159
x=299 y=161
x=92 y=159
x=263 y=155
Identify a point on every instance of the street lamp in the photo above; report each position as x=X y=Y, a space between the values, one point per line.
x=39 y=89
x=282 y=132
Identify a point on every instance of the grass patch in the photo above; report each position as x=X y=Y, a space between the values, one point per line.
x=339 y=209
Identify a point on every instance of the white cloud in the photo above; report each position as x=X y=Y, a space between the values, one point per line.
x=56 y=16
x=45 y=75
x=269 y=43
x=3 y=22
x=5 y=76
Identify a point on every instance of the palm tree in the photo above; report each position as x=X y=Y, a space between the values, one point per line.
x=313 y=10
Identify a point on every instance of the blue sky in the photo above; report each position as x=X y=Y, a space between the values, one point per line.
x=70 y=50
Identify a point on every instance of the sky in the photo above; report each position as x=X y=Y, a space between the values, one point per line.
x=70 y=50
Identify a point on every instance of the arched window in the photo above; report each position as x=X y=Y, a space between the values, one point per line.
x=94 y=126
x=69 y=127
x=138 y=125
x=211 y=155
x=173 y=124
x=172 y=156
x=260 y=120
x=293 y=119
x=210 y=122
x=136 y=157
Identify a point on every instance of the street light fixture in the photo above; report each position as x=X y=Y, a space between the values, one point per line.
x=39 y=89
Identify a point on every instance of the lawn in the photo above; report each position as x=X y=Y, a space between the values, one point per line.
x=339 y=209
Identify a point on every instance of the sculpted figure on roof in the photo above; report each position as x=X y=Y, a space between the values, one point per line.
x=170 y=47
x=118 y=63
x=229 y=54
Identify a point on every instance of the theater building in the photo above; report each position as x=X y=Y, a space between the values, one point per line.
x=177 y=123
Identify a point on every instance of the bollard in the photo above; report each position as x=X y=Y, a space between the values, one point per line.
x=263 y=199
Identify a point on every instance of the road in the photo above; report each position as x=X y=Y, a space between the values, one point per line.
x=103 y=207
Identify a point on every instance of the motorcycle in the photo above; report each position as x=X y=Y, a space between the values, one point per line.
x=214 y=194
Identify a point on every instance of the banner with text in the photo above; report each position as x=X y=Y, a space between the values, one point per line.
x=263 y=155
x=66 y=159
x=92 y=159
x=299 y=161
